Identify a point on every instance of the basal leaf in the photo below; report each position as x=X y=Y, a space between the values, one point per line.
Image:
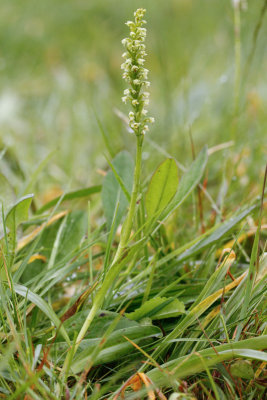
x=242 y=369
x=162 y=187
x=19 y=212
x=158 y=308
x=116 y=346
x=193 y=363
x=112 y=192
x=101 y=323
x=188 y=182
x=7 y=197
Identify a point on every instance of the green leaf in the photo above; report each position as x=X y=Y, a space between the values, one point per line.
x=116 y=346
x=101 y=323
x=162 y=187
x=188 y=182
x=42 y=305
x=158 y=308
x=76 y=194
x=196 y=362
x=7 y=197
x=113 y=193
x=242 y=369
x=19 y=212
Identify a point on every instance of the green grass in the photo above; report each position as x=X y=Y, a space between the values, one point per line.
x=104 y=292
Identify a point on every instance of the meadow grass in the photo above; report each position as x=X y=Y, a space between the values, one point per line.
x=133 y=277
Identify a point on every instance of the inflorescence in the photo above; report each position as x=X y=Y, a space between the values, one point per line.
x=136 y=75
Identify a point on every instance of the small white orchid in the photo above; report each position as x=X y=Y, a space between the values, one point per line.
x=136 y=75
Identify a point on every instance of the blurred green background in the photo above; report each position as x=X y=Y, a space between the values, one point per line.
x=60 y=67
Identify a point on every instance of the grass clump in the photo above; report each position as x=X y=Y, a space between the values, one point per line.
x=133 y=306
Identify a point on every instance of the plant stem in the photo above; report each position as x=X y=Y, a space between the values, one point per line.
x=115 y=267
x=127 y=226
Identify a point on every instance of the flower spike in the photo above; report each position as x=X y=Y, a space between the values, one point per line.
x=135 y=74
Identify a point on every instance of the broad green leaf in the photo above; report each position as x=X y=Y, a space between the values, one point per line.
x=251 y=352
x=7 y=197
x=158 y=308
x=196 y=362
x=74 y=230
x=42 y=305
x=116 y=346
x=101 y=323
x=112 y=192
x=7 y=194
x=76 y=194
x=19 y=212
x=242 y=369
x=162 y=187
x=188 y=182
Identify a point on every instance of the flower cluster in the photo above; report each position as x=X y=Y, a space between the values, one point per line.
x=136 y=75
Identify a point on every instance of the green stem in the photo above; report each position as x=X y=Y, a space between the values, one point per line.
x=116 y=265
x=127 y=226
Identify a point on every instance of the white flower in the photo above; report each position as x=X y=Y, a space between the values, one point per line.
x=134 y=68
x=141 y=31
x=130 y=24
x=135 y=125
x=145 y=129
x=136 y=75
x=140 y=61
x=125 y=41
